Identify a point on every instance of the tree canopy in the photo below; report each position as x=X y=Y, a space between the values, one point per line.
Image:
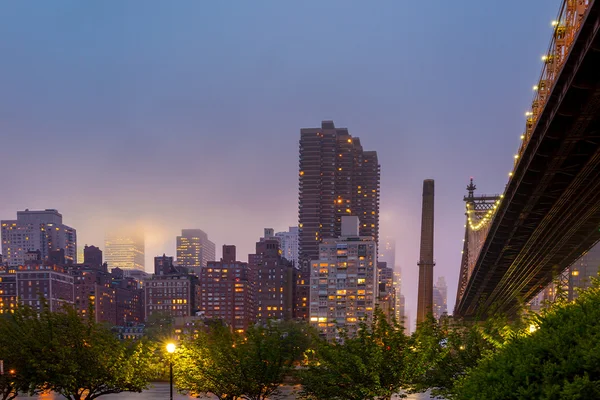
x=72 y=356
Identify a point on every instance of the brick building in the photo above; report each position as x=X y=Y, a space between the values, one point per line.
x=226 y=291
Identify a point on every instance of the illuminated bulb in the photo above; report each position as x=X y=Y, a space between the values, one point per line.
x=532 y=328
x=535 y=87
x=510 y=174
x=522 y=137
x=516 y=156
x=544 y=58
x=554 y=23
x=501 y=196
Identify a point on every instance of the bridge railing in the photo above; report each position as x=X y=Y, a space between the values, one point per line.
x=566 y=27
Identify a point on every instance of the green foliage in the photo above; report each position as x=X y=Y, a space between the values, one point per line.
x=76 y=358
x=233 y=366
x=370 y=366
x=559 y=360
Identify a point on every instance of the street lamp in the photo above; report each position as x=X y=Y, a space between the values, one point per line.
x=170 y=350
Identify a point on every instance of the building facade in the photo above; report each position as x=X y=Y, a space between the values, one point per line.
x=125 y=249
x=173 y=295
x=41 y=231
x=440 y=298
x=288 y=242
x=227 y=291
x=344 y=282
x=387 y=252
x=274 y=281
x=194 y=250
x=337 y=178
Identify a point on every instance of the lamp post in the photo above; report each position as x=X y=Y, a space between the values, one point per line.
x=170 y=350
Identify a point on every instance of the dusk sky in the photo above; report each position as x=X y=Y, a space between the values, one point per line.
x=187 y=114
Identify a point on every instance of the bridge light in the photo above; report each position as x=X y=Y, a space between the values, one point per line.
x=516 y=156
x=501 y=196
x=544 y=58
x=528 y=113
x=554 y=23
x=510 y=174
x=522 y=137
x=535 y=87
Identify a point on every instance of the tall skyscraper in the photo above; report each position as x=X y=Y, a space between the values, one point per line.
x=440 y=298
x=344 y=281
x=337 y=178
x=426 y=263
x=125 y=249
x=194 y=250
x=387 y=252
x=37 y=230
x=288 y=242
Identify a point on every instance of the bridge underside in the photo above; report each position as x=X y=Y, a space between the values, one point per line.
x=550 y=214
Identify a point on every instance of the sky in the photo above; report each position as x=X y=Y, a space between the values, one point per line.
x=187 y=114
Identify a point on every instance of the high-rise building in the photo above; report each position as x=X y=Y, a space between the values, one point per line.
x=440 y=298
x=387 y=293
x=344 y=281
x=288 y=242
x=37 y=230
x=92 y=255
x=399 y=306
x=194 y=250
x=273 y=278
x=337 y=178
x=227 y=292
x=125 y=249
x=426 y=263
x=387 y=252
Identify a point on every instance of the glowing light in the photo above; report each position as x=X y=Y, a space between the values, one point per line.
x=535 y=87
x=554 y=23
x=522 y=137
x=544 y=58
x=516 y=156
x=170 y=348
x=510 y=174
x=532 y=328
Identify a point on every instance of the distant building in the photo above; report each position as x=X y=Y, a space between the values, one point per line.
x=37 y=230
x=387 y=252
x=112 y=297
x=344 y=281
x=125 y=249
x=194 y=250
x=273 y=277
x=163 y=265
x=398 y=307
x=8 y=289
x=440 y=298
x=337 y=178
x=227 y=292
x=387 y=292
x=52 y=282
x=92 y=255
x=80 y=255
x=173 y=295
x=288 y=242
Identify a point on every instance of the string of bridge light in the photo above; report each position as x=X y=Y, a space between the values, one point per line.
x=529 y=114
x=486 y=218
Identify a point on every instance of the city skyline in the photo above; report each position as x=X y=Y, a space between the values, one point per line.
x=160 y=111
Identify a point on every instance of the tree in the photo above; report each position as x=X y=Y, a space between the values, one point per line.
x=557 y=357
x=75 y=357
x=369 y=366
x=233 y=366
x=14 y=377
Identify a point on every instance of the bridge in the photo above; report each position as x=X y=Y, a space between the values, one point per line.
x=517 y=242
